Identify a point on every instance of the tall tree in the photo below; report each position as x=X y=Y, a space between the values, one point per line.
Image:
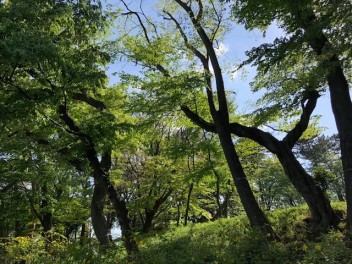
x=205 y=22
x=320 y=208
x=318 y=32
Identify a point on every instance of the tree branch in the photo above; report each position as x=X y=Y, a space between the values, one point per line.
x=213 y=59
x=263 y=138
x=195 y=118
x=89 y=100
x=292 y=136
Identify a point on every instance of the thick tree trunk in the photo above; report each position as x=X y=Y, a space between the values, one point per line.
x=99 y=223
x=101 y=174
x=148 y=221
x=255 y=215
x=150 y=213
x=321 y=211
x=297 y=175
x=342 y=109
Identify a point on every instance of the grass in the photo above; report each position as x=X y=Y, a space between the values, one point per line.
x=221 y=241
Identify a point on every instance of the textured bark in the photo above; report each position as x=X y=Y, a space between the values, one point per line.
x=220 y=118
x=122 y=217
x=319 y=205
x=255 y=215
x=101 y=174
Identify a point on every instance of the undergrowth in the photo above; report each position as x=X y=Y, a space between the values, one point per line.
x=221 y=241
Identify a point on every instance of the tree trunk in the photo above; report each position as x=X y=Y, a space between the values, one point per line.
x=255 y=215
x=122 y=216
x=225 y=204
x=219 y=210
x=178 y=214
x=45 y=214
x=149 y=216
x=188 y=203
x=99 y=223
x=84 y=234
x=321 y=211
x=342 y=109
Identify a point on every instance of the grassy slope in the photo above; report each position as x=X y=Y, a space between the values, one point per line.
x=232 y=241
x=222 y=241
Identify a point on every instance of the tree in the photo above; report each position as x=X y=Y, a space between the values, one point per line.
x=205 y=23
x=317 y=31
x=56 y=78
x=320 y=208
x=323 y=155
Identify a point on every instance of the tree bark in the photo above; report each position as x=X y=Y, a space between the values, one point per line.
x=255 y=215
x=99 y=223
x=322 y=214
x=319 y=205
x=45 y=214
x=84 y=234
x=101 y=174
x=150 y=213
x=122 y=217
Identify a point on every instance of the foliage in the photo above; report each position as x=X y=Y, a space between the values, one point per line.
x=57 y=111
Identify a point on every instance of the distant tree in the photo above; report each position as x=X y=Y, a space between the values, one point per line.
x=323 y=155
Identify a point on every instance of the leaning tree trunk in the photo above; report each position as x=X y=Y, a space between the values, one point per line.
x=342 y=109
x=321 y=211
x=254 y=213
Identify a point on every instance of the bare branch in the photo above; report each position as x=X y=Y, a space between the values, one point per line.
x=196 y=52
x=200 y=12
x=263 y=138
x=130 y=12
